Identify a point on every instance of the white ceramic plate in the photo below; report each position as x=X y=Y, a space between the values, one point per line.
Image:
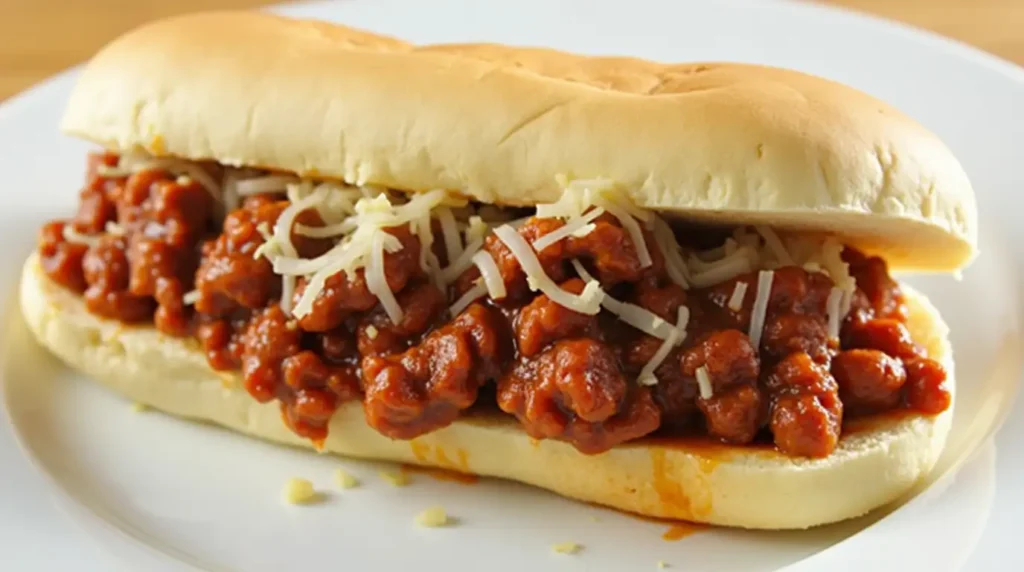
x=156 y=493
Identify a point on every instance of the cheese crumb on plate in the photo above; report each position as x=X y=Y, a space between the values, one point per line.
x=433 y=517
x=345 y=480
x=300 y=491
x=567 y=548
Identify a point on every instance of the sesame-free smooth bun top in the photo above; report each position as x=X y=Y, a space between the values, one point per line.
x=725 y=143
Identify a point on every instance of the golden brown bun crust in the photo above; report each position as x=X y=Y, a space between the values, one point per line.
x=732 y=486
x=724 y=142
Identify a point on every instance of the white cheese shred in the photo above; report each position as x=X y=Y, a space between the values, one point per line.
x=490 y=274
x=637 y=316
x=775 y=246
x=647 y=376
x=704 y=383
x=739 y=291
x=760 y=309
x=588 y=302
x=632 y=227
x=720 y=271
x=571 y=228
x=73 y=236
x=377 y=283
x=835 y=311
x=261 y=185
x=473 y=294
x=450 y=230
x=190 y=297
x=666 y=241
x=462 y=263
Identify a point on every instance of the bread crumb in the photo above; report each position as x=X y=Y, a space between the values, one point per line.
x=432 y=517
x=299 y=491
x=567 y=548
x=345 y=480
x=371 y=332
x=395 y=479
x=139 y=407
x=662 y=564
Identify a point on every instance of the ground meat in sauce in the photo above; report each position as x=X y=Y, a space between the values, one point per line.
x=430 y=384
x=561 y=374
x=575 y=391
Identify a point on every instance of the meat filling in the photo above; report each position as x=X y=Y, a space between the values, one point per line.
x=148 y=246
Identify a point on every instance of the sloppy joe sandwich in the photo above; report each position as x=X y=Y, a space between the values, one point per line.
x=661 y=288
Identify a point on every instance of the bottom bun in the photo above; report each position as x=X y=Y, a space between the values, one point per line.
x=750 y=487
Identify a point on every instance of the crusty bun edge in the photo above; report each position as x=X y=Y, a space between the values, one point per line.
x=726 y=143
x=732 y=486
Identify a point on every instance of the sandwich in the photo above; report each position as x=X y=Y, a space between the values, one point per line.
x=665 y=289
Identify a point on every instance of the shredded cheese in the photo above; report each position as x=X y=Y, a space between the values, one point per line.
x=647 y=376
x=433 y=517
x=300 y=491
x=835 y=311
x=726 y=269
x=490 y=274
x=739 y=291
x=704 y=383
x=395 y=479
x=133 y=163
x=356 y=218
x=190 y=297
x=377 y=282
x=452 y=239
x=473 y=294
x=675 y=266
x=775 y=246
x=113 y=228
x=580 y=195
x=637 y=316
x=345 y=480
x=461 y=264
x=588 y=302
x=579 y=226
x=261 y=185
x=73 y=236
x=566 y=548
x=760 y=309
x=632 y=227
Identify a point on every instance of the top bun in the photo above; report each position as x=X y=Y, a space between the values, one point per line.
x=724 y=143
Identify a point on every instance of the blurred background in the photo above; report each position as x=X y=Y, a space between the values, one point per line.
x=41 y=37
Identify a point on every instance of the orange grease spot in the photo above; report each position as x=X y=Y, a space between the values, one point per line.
x=463 y=459
x=670 y=492
x=420 y=450
x=666 y=482
x=446 y=470
x=442 y=474
x=681 y=530
x=677 y=529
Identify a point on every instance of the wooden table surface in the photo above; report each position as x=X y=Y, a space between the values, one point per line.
x=41 y=37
